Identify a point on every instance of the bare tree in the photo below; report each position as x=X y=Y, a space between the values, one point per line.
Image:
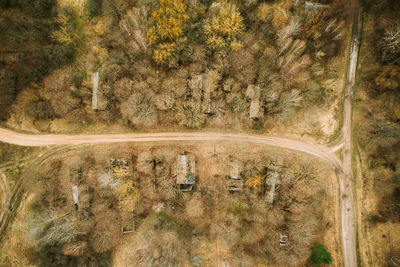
x=139 y=109
x=291 y=30
x=135 y=24
x=53 y=228
x=106 y=178
x=189 y=115
x=390 y=43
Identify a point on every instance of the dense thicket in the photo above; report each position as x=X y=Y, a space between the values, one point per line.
x=164 y=63
x=27 y=50
x=380 y=77
x=174 y=228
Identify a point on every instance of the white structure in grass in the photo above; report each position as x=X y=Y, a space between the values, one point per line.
x=95 y=80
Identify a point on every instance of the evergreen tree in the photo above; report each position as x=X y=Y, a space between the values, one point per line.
x=320 y=255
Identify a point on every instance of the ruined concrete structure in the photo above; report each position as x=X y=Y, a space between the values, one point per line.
x=185 y=170
x=272 y=178
x=200 y=89
x=256 y=110
x=234 y=182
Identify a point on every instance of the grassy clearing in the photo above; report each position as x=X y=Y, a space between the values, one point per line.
x=12 y=153
x=13 y=160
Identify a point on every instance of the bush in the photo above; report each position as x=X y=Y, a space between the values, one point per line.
x=138 y=109
x=237 y=103
x=70 y=31
x=320 y=255
x=92 y=7
x=389 y=206
x=190 y=116
x=41 y=109
x=7 y=87
x=77 y=78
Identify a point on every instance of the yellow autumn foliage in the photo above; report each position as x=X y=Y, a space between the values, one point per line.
x=102 y=53
x=100 y=28
x=128 y=194
x=70 y=30
x=280 y=17
x=120 y=172
x=215 y=42
x=168 y=24
x=236 y=45
x=163 y=51
x=264 y=11
x=254 y=182
x=222 y=28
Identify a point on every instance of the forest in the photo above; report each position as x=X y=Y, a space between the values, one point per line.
x=380 y=75
x=179 y=64
x=378 y=123
x=121 y=186
x=27 y=53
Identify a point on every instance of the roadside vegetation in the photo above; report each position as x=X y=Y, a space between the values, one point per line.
x=164 y=63
x=134 y=189
x=378 y=128
x=13 y=160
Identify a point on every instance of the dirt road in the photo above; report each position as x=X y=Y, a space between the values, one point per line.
x=343 y=168
x=348 y=205
x=320 y=151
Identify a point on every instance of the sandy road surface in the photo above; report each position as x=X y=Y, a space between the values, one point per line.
x=348 y=217
x=319 y=151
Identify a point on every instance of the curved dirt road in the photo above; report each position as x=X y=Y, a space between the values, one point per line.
x=319 y=151
x=324 y=153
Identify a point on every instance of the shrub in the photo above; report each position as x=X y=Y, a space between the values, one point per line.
x=320 y=255
x=389 y=206
x=388 y=78
x=7 y=87
x=41 y=109
x=138 y=109
x=92 y=7
x=70 y=28
x=254 y=182
x=288 y=104
x=190 y=116
x=77 y=78
x=237 y=103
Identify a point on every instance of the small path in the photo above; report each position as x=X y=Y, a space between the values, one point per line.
x=5 y=198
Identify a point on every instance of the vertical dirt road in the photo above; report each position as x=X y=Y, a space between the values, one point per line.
x=348 y=205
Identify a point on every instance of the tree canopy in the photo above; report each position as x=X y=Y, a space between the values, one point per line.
x=320 y=255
